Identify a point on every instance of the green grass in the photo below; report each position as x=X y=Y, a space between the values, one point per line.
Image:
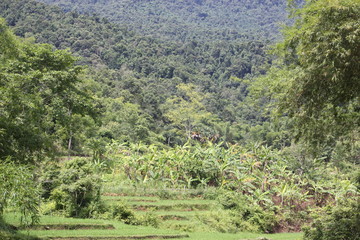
x=122 y=229
x=166 y=208
x=155 y=204
x=243 y=236
x=154 y=200
x=121 y=185
x=179 y=213
x=187 y=207
x=130 y=198
x=175 y=207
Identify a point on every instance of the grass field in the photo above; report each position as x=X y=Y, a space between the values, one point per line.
x=132 y=232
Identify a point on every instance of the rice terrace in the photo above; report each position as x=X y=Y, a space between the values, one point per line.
x=178 y=218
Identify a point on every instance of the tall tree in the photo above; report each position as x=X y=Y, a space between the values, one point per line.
x=322 y=52
x=39 y=91
x=187 y=110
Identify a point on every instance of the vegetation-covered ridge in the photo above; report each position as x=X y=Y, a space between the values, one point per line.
x=200 y=20
x=143 y=75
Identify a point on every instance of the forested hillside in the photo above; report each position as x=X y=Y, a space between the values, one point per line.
x=145 y=72
x=186 y=20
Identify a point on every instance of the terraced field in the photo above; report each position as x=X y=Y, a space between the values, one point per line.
x=174 y=213
x=179 y=219
x=52 y=227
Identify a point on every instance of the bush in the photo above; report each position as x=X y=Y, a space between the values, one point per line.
x=211 y=193
x=48 y=208
x=122 y=212
x=19 y=191
x=240 y=214
x=232 y=200
x=49 y=178
x=339 y=223
x=79 y=189
x=149 y=219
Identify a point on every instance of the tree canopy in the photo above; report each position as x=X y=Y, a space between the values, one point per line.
x=319 y=85
x=39 y=93
x=187 y=20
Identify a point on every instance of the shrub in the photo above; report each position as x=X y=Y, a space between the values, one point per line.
x=246 y=215
x=232 y=200
x=148 y=219
x=18 y=190
x=79 y=189
x=221 y=221
x=211 y=193
x=339 y=223
x=48 y=208
x=122 y=212
x=49 y=178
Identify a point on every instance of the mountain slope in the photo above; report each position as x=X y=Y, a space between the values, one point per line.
x=102 y=43
x=145 y=71
x=200 y=20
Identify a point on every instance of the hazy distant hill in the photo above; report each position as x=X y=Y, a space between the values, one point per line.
x=189 y=19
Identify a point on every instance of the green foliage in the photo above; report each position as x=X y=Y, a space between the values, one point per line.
x=152 y=94
x=339 y=222
x=185 y=21
x=187 y=111
x=321 y=50
x=262 y=188
x=49 y=178
x=233 y=221
x=78 y=193
x=144 y=72
x=123 y=213
x=40 y=94
x=18 y=190
x=124 y=121
x=246 y=215
x=8 y=47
